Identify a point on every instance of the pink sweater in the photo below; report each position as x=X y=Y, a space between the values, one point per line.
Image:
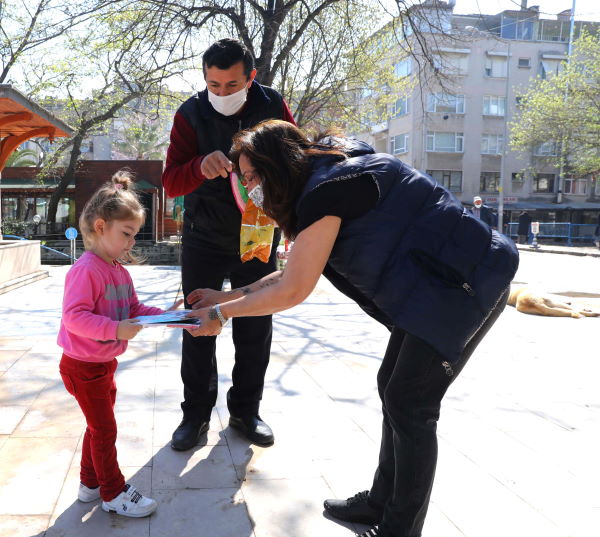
x=97 y=296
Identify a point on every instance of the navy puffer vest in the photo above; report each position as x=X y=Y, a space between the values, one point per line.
x=428 y=265
x=211 y=207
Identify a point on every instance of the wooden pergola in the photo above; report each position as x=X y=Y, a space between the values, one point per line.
x=22 y=119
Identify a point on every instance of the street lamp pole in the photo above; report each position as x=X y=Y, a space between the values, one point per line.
x=504 y=145
x=571 y=31
x=561 y=180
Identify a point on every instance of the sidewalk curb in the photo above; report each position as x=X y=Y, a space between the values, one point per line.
x=549 y=250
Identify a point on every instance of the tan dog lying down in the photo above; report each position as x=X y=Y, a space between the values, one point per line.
x=528 y=300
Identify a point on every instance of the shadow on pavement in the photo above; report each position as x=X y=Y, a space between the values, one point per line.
x=182 y=510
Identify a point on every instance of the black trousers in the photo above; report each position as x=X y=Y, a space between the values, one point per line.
x=251 y=335
x=412 y=381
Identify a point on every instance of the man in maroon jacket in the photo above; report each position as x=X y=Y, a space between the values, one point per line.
x=198 y=168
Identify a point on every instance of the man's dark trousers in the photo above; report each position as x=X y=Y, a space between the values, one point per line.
x=203 y=268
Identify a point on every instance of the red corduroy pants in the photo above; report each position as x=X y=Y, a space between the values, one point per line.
x=93 y=386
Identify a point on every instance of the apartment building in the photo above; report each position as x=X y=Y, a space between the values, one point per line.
x=454 y=126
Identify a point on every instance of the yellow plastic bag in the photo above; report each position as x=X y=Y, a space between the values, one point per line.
x=256 y=235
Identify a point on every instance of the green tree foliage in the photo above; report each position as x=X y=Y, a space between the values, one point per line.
x=27 y=26
x=338 y=77
x=140 y=137
x=92 y=61
x=12 y=226
x=122 y=58
x=22 y=157
x=565 y=109
x=323 y=55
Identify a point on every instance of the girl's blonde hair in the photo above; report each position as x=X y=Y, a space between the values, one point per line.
x=115 y=200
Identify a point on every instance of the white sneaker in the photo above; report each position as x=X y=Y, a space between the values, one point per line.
x=130 y=503
x=86 y=494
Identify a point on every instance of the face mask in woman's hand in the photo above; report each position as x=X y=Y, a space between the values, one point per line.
x=257 y=196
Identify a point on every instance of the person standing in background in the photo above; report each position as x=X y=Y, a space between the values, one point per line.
x=524 y=228
x=484 y=213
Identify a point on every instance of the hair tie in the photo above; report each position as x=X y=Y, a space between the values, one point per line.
x=118 y=186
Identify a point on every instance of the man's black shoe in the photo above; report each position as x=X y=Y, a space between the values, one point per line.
x=254 y=429
x=355 y=509
x=188 y=433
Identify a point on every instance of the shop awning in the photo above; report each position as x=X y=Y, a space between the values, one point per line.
x=28 y=184
x=145 y=185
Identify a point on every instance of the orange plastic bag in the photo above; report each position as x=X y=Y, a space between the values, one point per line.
x=256 y=234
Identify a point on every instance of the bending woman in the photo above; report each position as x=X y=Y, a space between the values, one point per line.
x=406 y=251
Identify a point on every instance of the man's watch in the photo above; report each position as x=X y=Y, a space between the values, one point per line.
x=222 y=319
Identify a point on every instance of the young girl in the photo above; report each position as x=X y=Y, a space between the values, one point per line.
x=99 y=307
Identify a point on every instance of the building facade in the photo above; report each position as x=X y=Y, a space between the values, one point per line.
x=24 y=196
x=454 y=125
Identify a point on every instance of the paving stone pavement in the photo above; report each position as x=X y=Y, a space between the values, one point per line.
x=519 y=431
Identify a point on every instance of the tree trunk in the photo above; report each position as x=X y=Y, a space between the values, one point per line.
x=68 y=175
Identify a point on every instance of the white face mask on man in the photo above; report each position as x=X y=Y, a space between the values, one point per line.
x=228 y=104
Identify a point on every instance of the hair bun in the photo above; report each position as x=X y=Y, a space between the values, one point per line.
x=123 y=180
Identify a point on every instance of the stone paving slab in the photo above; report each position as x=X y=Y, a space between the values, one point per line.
x=518 y=435
x=72 y=518
x=201 y=512
x=23 y=525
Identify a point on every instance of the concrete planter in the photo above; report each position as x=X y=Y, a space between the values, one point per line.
x=20 y=264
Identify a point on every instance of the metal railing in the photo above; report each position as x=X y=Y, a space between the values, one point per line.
x=56 y=232
x=570 y=233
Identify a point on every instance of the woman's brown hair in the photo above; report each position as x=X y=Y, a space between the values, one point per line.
x=115 y=200
x=280 y=153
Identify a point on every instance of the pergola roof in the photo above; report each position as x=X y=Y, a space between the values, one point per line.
x=31 y=115
x=22 y=119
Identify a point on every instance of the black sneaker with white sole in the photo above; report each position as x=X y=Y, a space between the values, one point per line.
x=371 y=532
x=354 y=509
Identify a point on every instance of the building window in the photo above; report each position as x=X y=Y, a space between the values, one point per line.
x=445 y=142
x=451 y=64
x=403 y=68
x=496 y=66
x=400 y=107
x=399 y=144
x=517 y=177
x=491 y=144
x=63 y=210
x=494 y=105
x=451 y=179
x=549 y=67
x=575 y=186
x=24 y=208
x=490 y=181
x=543 y=182
x=41 y=207
x=444 y=102
x=10 y=207
x=524 y=63
x=547 y=149
x=513 y=28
